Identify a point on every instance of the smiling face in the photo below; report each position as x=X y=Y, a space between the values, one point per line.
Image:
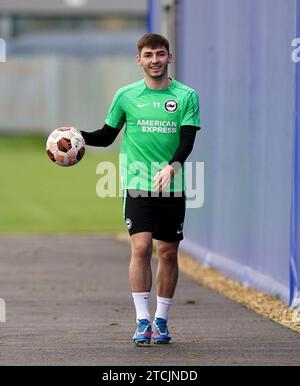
x=154 y=62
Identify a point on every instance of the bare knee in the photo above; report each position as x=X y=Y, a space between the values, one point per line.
x=141 y=248
x=167 y=254
x=141 y=251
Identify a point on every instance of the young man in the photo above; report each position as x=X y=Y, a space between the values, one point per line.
x=162 y=118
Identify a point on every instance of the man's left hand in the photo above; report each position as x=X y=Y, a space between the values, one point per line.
x=162 y=180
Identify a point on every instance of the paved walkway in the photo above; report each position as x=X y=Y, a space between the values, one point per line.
x=68 y=303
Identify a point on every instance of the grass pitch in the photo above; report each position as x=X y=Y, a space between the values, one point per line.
x=37 y=196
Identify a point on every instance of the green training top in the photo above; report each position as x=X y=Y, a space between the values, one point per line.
x=153 y=120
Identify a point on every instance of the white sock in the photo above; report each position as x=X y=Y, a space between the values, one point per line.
x=141 y=302
x=163 y=307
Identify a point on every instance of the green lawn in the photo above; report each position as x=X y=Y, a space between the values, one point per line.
x=37 y=196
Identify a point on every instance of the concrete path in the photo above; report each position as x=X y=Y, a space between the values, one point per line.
x=68 y=303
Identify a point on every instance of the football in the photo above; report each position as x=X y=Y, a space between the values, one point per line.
x=65 y=146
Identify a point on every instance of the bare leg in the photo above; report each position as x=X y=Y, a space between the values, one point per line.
x=140 y=273
x=167 y=271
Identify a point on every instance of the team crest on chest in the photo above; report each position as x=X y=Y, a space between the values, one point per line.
x=171 y=106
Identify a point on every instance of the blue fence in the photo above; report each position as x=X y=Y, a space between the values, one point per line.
x=237 y=55
x=295 y=211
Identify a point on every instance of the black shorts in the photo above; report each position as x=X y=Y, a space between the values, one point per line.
x=162 y=216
